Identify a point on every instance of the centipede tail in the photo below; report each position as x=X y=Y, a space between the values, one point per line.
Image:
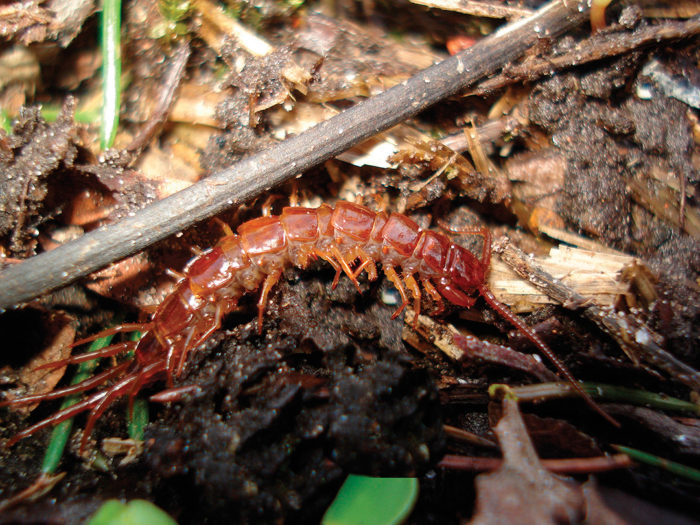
x=351 y=238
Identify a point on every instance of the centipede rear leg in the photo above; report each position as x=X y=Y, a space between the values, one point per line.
x=119 y=389
x=108 y=351
x=57 y=417
x=83 y=386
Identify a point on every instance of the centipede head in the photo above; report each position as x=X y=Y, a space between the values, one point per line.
x=466 y=272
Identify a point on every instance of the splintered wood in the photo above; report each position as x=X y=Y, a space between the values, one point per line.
x=592 y=274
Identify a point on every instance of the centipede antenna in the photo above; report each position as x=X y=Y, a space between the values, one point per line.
x=270 y=281
x=518 y=323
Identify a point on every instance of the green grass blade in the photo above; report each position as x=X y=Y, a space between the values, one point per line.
x=605 y=392
x=5 y=121
x=61 y=432
x=138 y=419
x=111 y=70
x=656 y=461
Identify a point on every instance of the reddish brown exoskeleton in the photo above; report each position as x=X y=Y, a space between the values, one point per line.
x=350 y=237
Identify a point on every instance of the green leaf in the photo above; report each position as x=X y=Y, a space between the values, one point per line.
x=364 y=500
x=136 y=512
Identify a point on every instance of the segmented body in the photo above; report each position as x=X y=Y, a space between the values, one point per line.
x=350 y=237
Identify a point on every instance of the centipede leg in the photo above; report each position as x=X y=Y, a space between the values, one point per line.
x=346 y=267
x=89 y=356
x=133 y=392
x=57 y=418
x=213 y=327
x=434 y=295
x=145 y=375
x=415 y=292
x=396 y=281
x=294 y=195
x=366 y=263
x=83 y=386
x=228 y=232
x=481 y=231
x=185 y=346
x=131 y=384
x=175 y=394
x=330 y=260
x=127 y=327
x=102 y=405
x=270 y=281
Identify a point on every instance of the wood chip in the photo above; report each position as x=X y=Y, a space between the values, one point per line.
x=592 y=274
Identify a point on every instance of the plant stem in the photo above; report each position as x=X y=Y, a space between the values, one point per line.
x=650 y=459
x=633 y=396
x=61 y=432
x=111 y=71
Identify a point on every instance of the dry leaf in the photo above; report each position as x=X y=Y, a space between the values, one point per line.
x=60 y=334
x=522 y=491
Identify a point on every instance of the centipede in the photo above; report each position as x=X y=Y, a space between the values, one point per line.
x=350 y=237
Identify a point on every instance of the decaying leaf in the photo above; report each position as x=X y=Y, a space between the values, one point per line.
x=60 y=334
x=522 y=491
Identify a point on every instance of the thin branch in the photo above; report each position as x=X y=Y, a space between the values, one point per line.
x=559 y=466
x=260 y=172
x=597 y=47
x=477 y=8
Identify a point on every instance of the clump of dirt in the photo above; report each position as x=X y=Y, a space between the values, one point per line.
x=281 y=416
x=34 y=151
x=613 y=145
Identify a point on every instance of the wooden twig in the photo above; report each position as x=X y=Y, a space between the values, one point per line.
x=633 y=336
x=597 y=47
x=560 y=466
x=477 y=8
x=594 y=274
x=459 y=347
x=260 y=172
x=459 y=434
